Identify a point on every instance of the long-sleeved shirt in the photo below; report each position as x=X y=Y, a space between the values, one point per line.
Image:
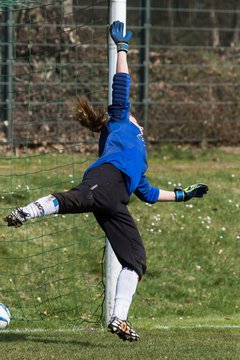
x=122 y=144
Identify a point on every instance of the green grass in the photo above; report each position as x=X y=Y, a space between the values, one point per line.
x=173 y=344
x=51 y=269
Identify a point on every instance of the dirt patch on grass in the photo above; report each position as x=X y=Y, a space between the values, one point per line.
x=231 y=149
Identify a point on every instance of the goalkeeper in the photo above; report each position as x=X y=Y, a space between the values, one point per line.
x=108 y=184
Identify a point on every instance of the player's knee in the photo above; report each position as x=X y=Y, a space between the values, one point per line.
x=76 y=200
x=84 y=197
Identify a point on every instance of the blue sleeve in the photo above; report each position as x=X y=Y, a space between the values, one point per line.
x=119 y=110
x=146 y=192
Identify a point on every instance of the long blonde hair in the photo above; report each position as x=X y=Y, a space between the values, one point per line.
x=89 y=117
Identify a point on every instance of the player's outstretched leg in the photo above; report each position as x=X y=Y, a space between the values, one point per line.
x=123 y=329
x=46 y=205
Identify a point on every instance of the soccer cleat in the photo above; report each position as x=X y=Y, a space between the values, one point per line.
x=16 y=217
x=123 y=329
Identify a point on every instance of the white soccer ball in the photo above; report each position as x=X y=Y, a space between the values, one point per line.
x=4 y=316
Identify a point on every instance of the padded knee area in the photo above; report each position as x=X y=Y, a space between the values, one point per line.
x=76 y=200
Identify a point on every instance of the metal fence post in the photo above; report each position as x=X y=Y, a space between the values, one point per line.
x=117 y=11
x=144 y=59
x=7 y=72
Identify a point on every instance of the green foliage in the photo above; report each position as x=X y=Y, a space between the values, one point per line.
x=5 y=3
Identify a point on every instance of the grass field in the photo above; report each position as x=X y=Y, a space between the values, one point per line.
x=173 y=344
x=186 y=307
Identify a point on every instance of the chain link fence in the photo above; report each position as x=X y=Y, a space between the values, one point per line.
x=184 y=63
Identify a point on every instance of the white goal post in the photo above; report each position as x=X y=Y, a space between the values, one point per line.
x=117 y=12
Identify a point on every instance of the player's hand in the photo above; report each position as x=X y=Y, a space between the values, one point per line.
x=116 y=32
x=196 y=190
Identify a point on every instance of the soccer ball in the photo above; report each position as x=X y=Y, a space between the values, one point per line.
x=4 y=316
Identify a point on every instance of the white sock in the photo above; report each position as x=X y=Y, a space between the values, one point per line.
x=46 y=205
x=125 y=289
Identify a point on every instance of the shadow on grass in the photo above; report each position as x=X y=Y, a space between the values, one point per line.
x=13 y=337
x=45 y=340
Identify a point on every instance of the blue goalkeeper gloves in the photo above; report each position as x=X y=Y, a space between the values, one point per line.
x=116 y=32
x=196 y=190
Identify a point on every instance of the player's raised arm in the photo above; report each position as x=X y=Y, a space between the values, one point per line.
x=122 y=65
x=121 y=41
x=119 y=110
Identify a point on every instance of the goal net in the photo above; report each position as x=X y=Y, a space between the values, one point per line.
x=52 y=51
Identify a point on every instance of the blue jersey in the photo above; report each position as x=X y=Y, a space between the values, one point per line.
x=122 y=144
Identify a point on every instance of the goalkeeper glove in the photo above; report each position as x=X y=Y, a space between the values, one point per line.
x=196 y=190
x=116 y=32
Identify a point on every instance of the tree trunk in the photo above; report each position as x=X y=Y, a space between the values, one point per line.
x=171 y=21
x=236 y=26
x=215 y=32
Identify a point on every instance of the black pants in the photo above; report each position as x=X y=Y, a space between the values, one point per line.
x=103 y=192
